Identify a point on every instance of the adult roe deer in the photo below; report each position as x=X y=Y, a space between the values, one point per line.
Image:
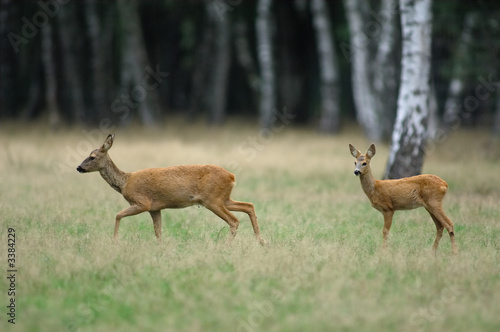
x=408 y=193
x=155 y=189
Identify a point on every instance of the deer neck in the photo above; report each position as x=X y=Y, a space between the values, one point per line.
x=116 y=178
x=368 y=182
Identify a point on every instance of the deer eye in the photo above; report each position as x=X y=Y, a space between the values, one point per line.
x=355 y=163
x=91 y=158
x=364 y=164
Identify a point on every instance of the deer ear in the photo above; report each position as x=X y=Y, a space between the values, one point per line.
x=108 y=143
x=354 y=152
x=371 y=151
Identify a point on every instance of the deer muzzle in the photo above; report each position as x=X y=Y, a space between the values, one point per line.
x=80 y=169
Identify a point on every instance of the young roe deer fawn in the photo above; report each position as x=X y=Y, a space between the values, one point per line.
x=155 y=189
x=408 y=193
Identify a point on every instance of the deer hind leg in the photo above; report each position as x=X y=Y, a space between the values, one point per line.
x=156 y=216
x=438 y=212
x=439 y=231
x=130 y=211
x=222 y=212
x=387 y=225
x=249 y=209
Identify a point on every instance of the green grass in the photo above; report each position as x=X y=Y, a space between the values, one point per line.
x=323 y=269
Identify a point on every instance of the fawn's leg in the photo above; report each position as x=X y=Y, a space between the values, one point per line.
x=387 y=225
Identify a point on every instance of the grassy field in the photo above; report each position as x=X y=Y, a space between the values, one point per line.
x=322 y=270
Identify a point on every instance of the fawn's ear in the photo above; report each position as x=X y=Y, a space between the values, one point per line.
x=371 y=151
x=108 y=143
x=354 y=152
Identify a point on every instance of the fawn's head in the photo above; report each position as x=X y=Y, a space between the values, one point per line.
x=362 y=160
x=97 y=158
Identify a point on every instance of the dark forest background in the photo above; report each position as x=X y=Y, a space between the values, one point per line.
x=79 y=62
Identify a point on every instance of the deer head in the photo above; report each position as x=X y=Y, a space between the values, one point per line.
x=362 y=160
x=97 y=158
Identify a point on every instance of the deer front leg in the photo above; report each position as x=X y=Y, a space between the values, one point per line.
x=156 y=215
x=387 y=225
x=130 y=211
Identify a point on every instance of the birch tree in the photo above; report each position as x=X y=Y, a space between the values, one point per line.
x=372 y=53
x=221 y=65
x=266 y=62
x=410 y=130
x=330 y=108
x=496 y=119
x=451 y=116
x=133 y=66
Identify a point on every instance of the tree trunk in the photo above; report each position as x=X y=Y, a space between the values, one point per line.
x=73 y=88
x=133 y=67
x=328 y=67
x=97 y=58
x=451 y=114
x=360 y=57
x=374 y=94
x=244 y=56
x=49 y=67
x=266 y=62
x=410 y=130
x=386 y=67
x=496 y=120
x=201 y=72
x=433 y=131
x=7 y=60
x=220 y=72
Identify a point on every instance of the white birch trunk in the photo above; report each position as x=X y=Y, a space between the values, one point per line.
x=330 y=109
x=410 y=130
x=374 y=74
x=386 y=71
x=359 y=56
x=266 y=62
